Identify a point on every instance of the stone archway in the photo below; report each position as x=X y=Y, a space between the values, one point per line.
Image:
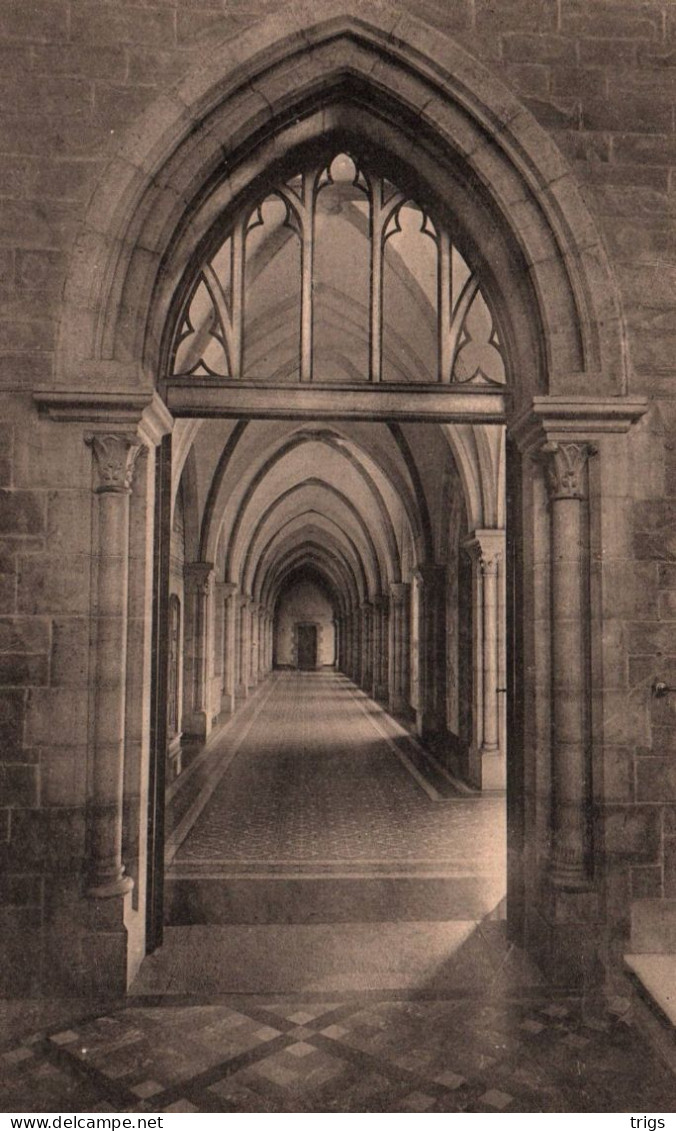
x=255 y=101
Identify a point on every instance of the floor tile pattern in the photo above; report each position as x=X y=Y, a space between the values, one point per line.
x=315 y=782
x=364 y=1053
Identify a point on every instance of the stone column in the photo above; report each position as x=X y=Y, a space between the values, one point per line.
x=356 y=645
x=487 y=549
x=115 y=455
x=230 y=613
x=565 y=466
x=399 y=650
x=366 y=657
x=244 y=641
x=197 y=715
x=431 y=715
x=219 y=647
x=380 y=648
x=254 y=644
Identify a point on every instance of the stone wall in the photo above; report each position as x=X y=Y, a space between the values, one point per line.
x=75 y=77
x=303 y=603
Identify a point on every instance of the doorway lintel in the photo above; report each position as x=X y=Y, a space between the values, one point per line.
x=441 y=404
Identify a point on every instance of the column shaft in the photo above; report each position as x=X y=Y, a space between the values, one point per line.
x=115 y=456
x=571 y=793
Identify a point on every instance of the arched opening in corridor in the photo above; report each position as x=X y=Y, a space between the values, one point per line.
x=344 y=413
x=338 y=546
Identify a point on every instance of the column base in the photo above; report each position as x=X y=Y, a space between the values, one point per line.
x=197 y=725
x=565 y=937
x=380 y=692
x=107 y=889
x=493 y=769
x=399 y=706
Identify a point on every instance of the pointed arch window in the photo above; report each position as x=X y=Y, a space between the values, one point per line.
x=337 y=276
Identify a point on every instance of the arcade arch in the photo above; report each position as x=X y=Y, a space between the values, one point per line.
x=251 y=115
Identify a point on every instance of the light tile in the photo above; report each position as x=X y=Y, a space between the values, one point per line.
x=417 y=1101
x=531 y=1026
x=146 y=1089
x=181 y=1105
x=267 y=1033
x=335 y=1032
x=301 y=1049
x=16 y=1056
x=65 y=1038
x=450 y=1080
x=497 y=1099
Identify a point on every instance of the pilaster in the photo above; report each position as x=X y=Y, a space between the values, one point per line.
x=487 y=758
x=198 y=579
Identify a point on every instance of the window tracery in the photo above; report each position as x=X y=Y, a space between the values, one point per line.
x=337 y=276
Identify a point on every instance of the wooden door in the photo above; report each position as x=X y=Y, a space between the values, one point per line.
x=307 y=647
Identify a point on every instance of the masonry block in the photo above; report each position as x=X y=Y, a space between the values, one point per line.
x=69 y=522
x=618 y=774
x=607 y=52
x=21 y=512
x=40 y=21
x=611 y=20
x=41 y=270
x=20 y=955
x=49 y=584
x=108 y=25
x=669 y=869
x=70 y=658
x=653 y=926
x=114 y=105
x=629 y=589
x=642 y=113
x=12 y=717
x=21 y=891
x=633 y=834
x=540 y=15
x=51 y=95
x=20 y=785
x=22 y=670
x=81 y=60
x=63 y=774
x=54 y=712
x=531 y=48
x=52 y=840
x=27 y=335
x=655 y=779
x=529 y=79
x=555 y=114
x=580 y=82
x=646 y=882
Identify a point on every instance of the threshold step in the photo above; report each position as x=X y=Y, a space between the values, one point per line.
x=328 y=899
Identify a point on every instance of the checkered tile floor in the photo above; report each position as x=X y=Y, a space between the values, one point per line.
x=534 y=1053
x=315 y=783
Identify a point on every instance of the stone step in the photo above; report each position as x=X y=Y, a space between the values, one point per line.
x=329 y=899
x=655 y=975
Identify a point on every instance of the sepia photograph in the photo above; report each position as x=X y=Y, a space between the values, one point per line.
x=337 y=559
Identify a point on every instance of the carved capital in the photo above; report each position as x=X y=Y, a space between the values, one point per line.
x=485 y=548
x=197 y=577
x=564 y=466
x=489 y=563
x=115 y=456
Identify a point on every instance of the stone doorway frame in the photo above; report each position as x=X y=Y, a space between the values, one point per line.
x=248 y=102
